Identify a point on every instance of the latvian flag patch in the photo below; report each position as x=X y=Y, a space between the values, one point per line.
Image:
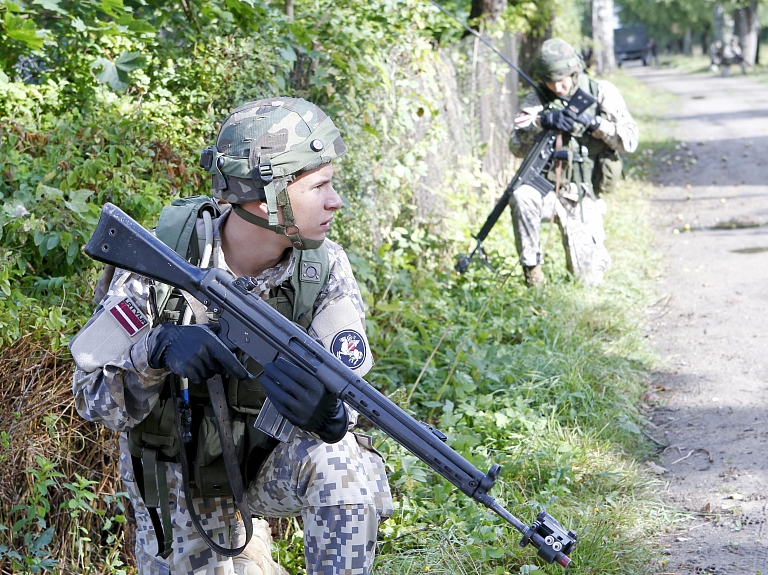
x=129 y=316
x=523 y=120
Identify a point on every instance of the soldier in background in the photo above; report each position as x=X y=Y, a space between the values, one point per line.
x=272 y=174
x=596 y=138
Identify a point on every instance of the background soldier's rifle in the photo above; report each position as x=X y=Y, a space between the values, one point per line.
x=538 y=162
x=251 y=325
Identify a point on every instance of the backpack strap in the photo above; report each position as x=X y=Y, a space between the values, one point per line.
x=176 y=228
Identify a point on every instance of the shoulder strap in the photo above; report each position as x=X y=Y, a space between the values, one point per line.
x=594 y=87
x=309 y=278
x=176 y=228
x=176 y=225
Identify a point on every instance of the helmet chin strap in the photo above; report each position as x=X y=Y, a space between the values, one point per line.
x=298 y=242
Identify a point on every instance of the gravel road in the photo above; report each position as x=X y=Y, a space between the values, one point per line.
x=710 y=323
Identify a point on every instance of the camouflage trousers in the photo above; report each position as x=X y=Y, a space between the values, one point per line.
x=580 y=223
x=340 y=490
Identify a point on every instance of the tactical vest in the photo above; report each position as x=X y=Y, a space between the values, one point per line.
x=600 y=168
x=155 y=440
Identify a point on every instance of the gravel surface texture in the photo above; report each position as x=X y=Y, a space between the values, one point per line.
x=709 y=325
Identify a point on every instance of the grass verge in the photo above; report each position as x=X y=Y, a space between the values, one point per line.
x=545 y=383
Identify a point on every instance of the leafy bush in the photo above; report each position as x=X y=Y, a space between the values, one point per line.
x=112 y=101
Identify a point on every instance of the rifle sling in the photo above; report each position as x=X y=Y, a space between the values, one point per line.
x=229 y=453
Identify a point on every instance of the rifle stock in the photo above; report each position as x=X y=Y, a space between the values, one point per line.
x=262 y=333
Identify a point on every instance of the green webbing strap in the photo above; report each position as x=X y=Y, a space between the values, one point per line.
x=165 y=510
x=151 y=495
x=309 y=278
x=156 y=496
x=269 y=191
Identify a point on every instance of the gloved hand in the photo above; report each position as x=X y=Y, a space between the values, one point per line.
x=590 y=122
x=303 y=400
x=558 y=120
x=192 y=351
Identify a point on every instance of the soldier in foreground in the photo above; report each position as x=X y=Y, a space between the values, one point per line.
x=595 y=138
x=271 y=171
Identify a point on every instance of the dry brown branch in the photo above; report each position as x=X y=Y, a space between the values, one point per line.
x=37 y=413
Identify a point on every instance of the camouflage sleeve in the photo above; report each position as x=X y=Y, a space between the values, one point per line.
x=526 y=126
x=339 y=318
x=617 y=129
x=113 y=383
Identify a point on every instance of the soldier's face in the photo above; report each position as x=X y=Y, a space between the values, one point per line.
x=562 y=88
x=314 y=201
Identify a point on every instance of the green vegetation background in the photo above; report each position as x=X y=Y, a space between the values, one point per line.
x=111 y=100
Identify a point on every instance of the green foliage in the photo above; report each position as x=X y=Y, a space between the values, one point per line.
x=112 y=100
x=31 y=540
x=30 y=535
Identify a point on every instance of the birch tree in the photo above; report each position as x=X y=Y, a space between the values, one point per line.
x=602 y=35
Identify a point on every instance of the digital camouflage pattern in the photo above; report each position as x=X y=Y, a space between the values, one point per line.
x=577 y=212
x=340 y=489
x=291 y=133
x=581 y=225
x=556 y=60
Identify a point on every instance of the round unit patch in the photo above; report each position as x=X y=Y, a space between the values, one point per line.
x=349 y=347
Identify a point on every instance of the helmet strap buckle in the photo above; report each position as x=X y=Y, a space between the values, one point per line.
x=265 y=172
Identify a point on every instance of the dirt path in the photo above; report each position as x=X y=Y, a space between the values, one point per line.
x=710 y=325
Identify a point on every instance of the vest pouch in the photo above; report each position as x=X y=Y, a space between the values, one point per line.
x=157 y=431
x=258 y=447
x=246 y=395
x=607 y=172
x=210 y=474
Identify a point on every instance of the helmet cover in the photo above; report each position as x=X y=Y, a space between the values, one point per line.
x=556 y=60
x=267 y=142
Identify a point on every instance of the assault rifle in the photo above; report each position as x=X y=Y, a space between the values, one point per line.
x=250 y=324
x=538 y=161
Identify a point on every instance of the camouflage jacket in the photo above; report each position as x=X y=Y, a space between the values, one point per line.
x=113 y=383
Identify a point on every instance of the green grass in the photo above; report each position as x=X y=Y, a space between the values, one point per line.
x=545 y=383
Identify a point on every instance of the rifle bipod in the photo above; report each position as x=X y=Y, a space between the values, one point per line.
x=463 y=260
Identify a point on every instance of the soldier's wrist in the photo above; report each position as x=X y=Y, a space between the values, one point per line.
x=148 y=375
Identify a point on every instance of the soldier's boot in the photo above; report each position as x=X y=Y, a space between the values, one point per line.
x=534 y=276
x=256 y=559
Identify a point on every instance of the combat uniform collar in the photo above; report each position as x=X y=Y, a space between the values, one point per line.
x=266 y=280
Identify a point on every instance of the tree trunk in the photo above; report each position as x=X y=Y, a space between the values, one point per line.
x=747 y=28
x=688 y=43
x=490 y=10
x=602 y=34
x=289 y=9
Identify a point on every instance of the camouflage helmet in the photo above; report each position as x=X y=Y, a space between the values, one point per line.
x=261 y=147
x=556 y=60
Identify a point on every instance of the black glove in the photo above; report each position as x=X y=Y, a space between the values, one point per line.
x=561 y=120
x=303 y=400
x=192 y=351
x=590 y=122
